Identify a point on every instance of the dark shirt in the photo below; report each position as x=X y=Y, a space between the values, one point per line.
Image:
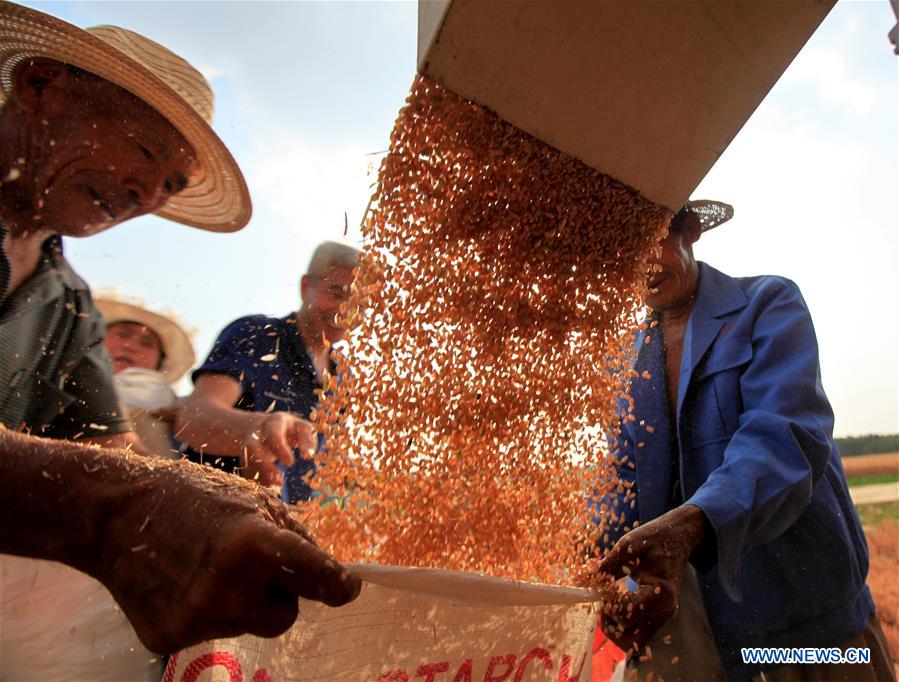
x=267 y=356
x=4 y=266
x=55 y=374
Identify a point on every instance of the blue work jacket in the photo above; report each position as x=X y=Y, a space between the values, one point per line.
x=787 y=560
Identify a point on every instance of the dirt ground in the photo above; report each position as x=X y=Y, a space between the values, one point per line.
x=870 y=465
x=883 y=542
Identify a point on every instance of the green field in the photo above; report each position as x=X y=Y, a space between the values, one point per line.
x=875 y=514
x=869 y=444
x=875 y=478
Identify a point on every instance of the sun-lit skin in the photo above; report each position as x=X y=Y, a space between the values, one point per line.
x=673 y=282
x=131 y=344
x=80 y=154
x=322 y=296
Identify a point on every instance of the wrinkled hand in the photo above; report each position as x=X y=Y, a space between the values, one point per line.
x=655 y=556
x=274 y=441
x=197 y=554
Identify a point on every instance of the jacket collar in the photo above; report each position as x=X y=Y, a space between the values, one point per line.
x=717 y=295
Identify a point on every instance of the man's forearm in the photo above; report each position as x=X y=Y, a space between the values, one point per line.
x=57 y=497
x=690 y=524
x=208 y=426
x=119 y=441
x=189 y=553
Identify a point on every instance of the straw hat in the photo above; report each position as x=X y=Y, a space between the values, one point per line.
x=218 y=199
x=179 y=352
x=710 y=213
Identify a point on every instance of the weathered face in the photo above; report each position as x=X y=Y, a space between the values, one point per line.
x=674 y=285
x=322 y=296
x=102 y=156
x=131 y=344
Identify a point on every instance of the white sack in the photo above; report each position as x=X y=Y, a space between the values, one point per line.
x=415 y=624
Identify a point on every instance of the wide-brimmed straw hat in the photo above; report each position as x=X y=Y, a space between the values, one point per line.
x=216 y=199
x=176 y=345
x=710 y=213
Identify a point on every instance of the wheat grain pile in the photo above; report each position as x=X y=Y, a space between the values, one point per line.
x=493 y=309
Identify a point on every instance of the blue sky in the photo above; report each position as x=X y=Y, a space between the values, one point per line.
x=307 y=93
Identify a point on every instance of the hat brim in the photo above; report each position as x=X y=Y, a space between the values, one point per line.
x=218 y=199
x=711 y=214
x=179 y=352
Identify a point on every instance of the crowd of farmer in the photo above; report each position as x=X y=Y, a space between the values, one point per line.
x=743 y=533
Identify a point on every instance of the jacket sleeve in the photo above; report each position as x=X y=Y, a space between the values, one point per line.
x=782 y=443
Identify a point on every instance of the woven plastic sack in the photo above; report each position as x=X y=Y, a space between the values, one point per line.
x=415 y=624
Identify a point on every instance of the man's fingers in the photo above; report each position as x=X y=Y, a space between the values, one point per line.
x=309 y=573
x=659 y=601
x=281 y=448
x=300 y=529
x=281 y=612
x=268 y=472
x=614 y=563
x=626 y=634
x=301 y=434
x=631 y=639
x=621 y=633
x=637 y=616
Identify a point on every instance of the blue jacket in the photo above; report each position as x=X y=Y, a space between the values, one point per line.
x=787 y=562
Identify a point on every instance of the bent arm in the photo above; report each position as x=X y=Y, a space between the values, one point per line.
x=208 y=421
x=55 y=498
x=128 y=440
x=173 y=542
x=781 y=447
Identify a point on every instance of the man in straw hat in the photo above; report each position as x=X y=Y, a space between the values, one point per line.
x=257 y=387
x=148 y=352
x=97 y=127
x=731 y=458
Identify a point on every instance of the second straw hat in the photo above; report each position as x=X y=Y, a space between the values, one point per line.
x=179 y=352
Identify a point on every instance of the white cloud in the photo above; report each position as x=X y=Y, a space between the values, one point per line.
x=210 y=72
x=315 y=191
x=836 y=83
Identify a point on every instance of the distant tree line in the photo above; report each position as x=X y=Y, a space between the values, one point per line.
x=870 y=444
